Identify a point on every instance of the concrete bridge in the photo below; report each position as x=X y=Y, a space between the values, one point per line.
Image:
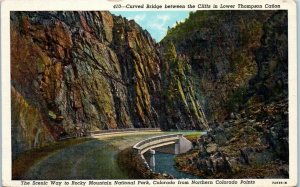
x=172 y=144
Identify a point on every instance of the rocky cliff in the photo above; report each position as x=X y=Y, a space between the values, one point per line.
x=182 y=108
x=251 y=139
x=75 y=72
x=220 y=47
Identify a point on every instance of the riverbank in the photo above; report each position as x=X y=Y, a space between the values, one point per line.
x=257 y=171
x=253 y=144
x=135 y=167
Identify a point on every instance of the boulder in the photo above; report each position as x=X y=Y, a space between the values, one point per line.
x=211 y=148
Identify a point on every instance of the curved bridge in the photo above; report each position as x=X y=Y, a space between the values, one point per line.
x=172 y=143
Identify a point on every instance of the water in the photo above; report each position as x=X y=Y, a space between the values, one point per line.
x=165 y=163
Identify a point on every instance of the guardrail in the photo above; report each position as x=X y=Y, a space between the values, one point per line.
x=122 y=130
x=156 y=141
x=161 y=144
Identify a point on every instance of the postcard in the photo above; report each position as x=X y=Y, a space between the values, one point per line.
x=139 y=93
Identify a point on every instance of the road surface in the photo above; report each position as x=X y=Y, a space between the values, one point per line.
x=94 y=159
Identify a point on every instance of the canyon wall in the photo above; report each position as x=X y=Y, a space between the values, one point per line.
x=241 y=67
x=220 y=47
x=76 y=72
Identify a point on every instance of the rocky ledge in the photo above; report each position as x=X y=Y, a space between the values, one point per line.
x=252 y=144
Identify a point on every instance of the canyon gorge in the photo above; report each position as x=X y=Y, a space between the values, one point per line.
x=225 y=72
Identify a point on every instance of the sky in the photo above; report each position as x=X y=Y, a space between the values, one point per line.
x=155 y=22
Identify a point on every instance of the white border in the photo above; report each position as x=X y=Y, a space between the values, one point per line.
x=89 y=5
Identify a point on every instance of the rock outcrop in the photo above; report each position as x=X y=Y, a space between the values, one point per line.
x=252 y=142
x=75 y=72
x=220 y=47
x=255 y=145
x=182 y=109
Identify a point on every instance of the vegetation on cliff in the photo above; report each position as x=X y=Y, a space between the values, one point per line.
x=220 y=48
x=182 y=109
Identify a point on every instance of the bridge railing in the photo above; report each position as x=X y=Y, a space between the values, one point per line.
x=121 y=130
x=138 y=147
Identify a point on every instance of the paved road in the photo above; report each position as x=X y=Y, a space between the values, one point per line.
x=95 y=159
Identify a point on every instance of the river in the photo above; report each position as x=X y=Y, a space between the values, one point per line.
x=165 y=163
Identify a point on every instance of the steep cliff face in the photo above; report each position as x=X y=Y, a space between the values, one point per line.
x=220 y=48
x=253 y=142
x=74 y=72
x=140 y=66
x=182 y=109
x=271 y=81
x=28 y=127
